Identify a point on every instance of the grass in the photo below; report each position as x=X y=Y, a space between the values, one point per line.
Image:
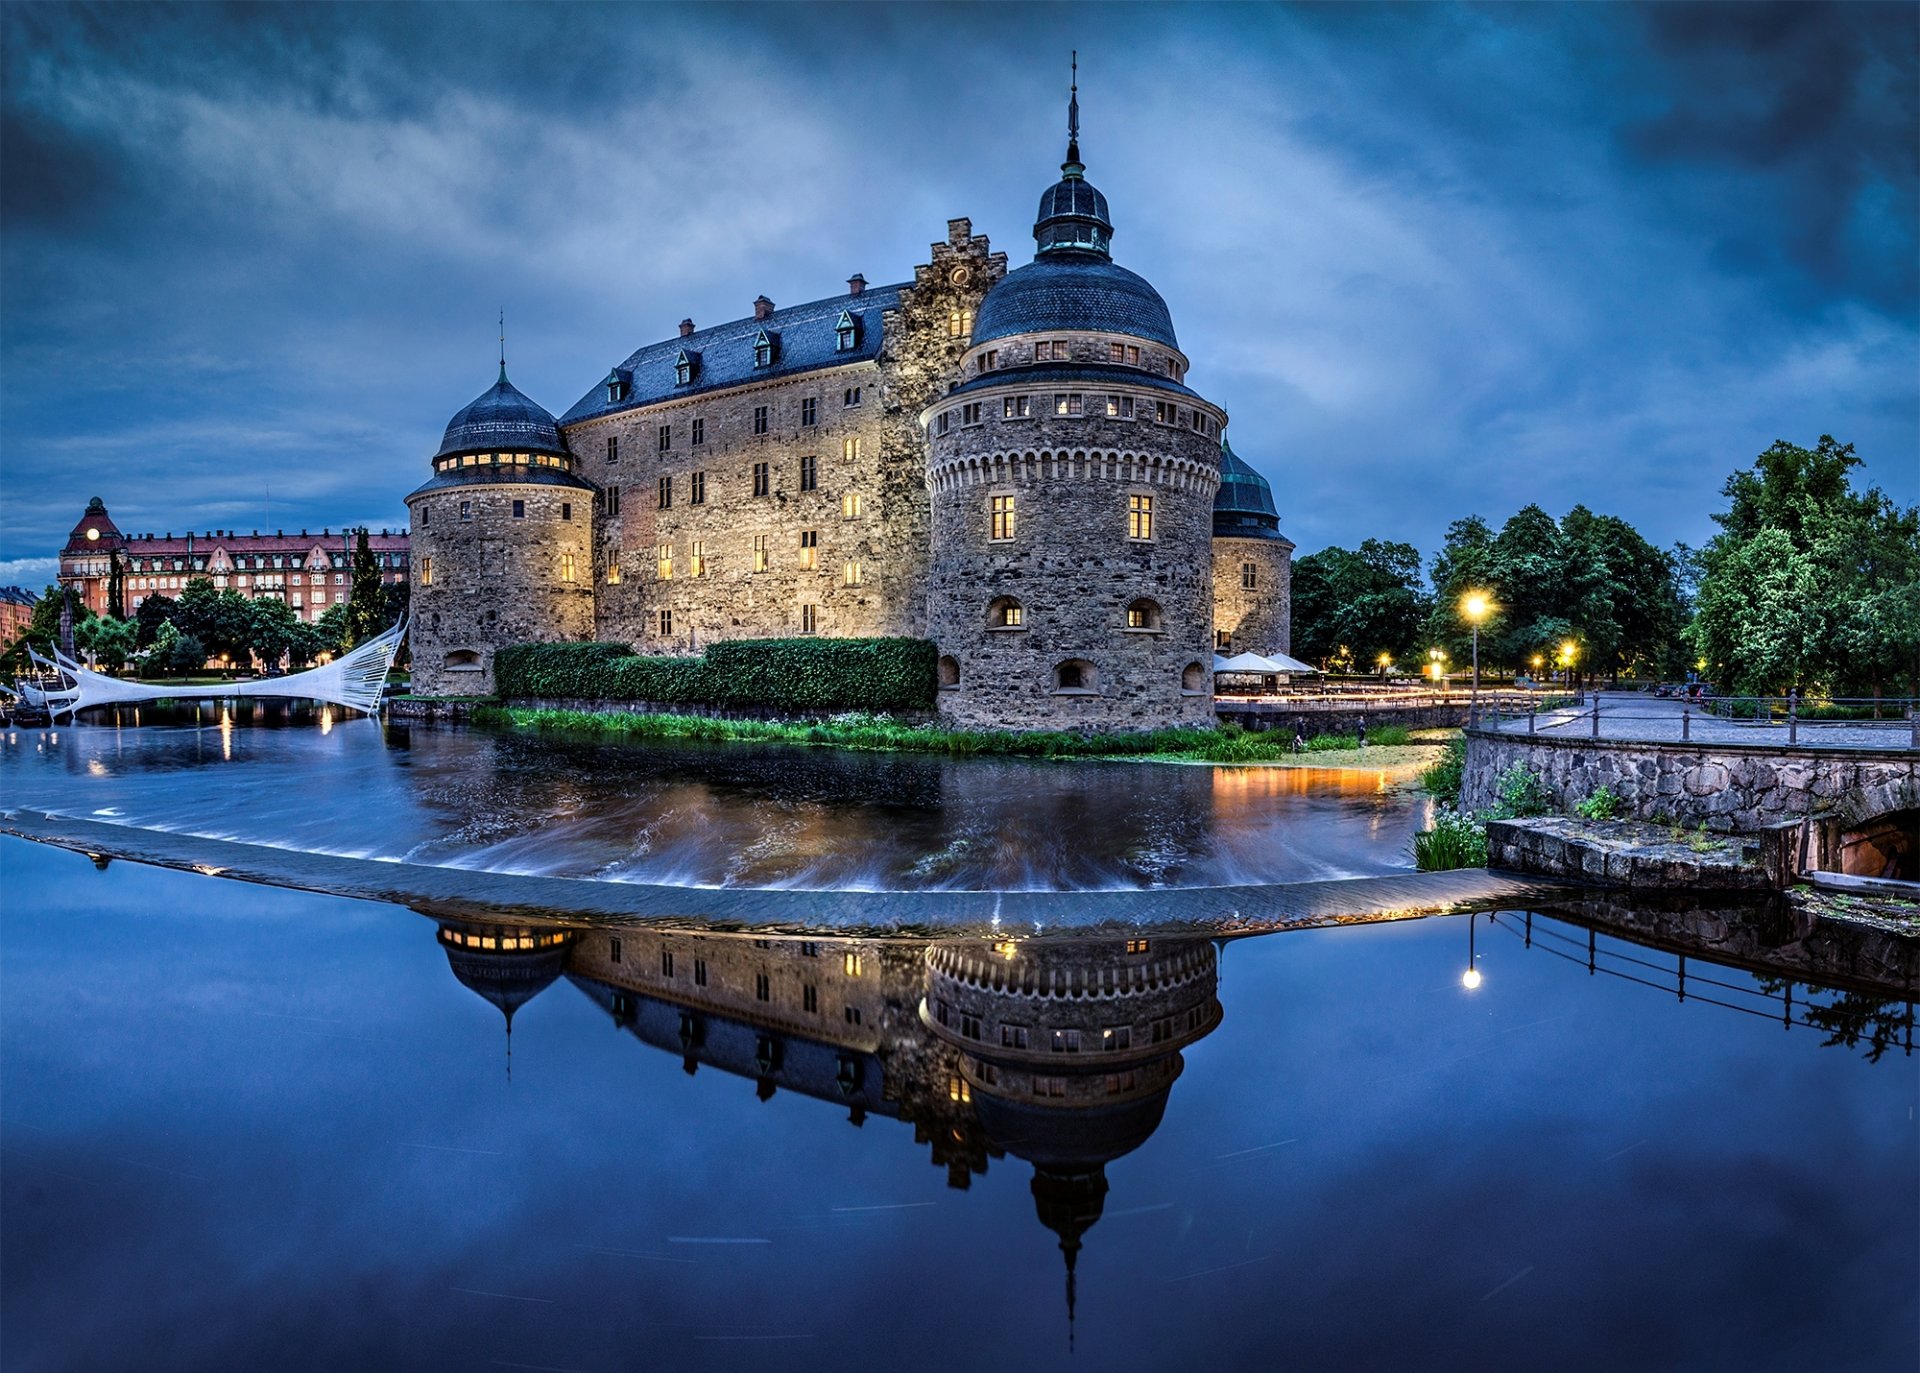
x=1458 y=839
x=1229 y=744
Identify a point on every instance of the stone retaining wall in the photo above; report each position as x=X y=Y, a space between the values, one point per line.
x=1727 y=787
x=1336 y=716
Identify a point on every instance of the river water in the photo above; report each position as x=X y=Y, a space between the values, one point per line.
x=254 y=1128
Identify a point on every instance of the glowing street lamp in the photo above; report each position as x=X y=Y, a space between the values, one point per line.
x=1569 y=650
x=1475 y=605
x=1385 y=660
x=1435 y=657
x=1470 y=979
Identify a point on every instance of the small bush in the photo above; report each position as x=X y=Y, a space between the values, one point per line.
x=1458 y=839
x=1447 y=772
x=1601 y=805
x=1520 y=793
x=776 y=674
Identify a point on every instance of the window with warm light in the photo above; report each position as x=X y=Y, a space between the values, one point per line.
x=1139 y=517
x=566 y=567
x=850 y=573
x=697 y=558
x=613 y=567
x=850 y=448
x=1000 y=517
x=759 y=552
x=809 y=549
x=663 y=561
x=850 y=505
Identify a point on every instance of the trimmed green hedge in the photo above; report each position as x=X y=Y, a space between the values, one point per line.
x=776 y=674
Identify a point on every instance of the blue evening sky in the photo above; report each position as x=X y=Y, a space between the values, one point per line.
x=1432 y=260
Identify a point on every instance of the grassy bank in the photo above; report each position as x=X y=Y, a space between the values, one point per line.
x=879 y=732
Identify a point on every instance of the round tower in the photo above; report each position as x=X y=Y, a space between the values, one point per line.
x=1252 y=564
x=1072 y=474
x=501 y=544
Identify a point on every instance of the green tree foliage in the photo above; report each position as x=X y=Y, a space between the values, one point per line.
x=116 y=585
x=1352 y=605
x=332 y=630
x=271 y=630
x=1810 y=583
x=150 y=614
x=366 y=602
x=1589 y=579
x=110 y=640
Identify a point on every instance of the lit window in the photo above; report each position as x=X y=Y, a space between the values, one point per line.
x=1120 y=407
x=699 y=434
x=762 y=480
x=663 y=561
x=1116 y=352
x=809 y=619
x=810 y=410
x=759 y=419
x=850 y=505
x=697 y=558
x=809 y=473
x=1249 y=576
x=1143 y=614
x=1136 y=946
x=696 y=488
x=1000 y=515
x=1064 y=404
x=809 y=549
x=426 y=571
x=957 y=1089
x=850 y=448
x=850 y=573
x=1139 y=517
x=759 y=552
x=613 y=567
x=1133 y=356
x=1006 y=613
x=566 y=567
x=1015 y=408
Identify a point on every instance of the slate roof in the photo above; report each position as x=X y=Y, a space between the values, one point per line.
x=16 y=595
x=1092 y=376
x=1243 y=507
x=156 y=546
x=803 y=336
x=1074 y=290
x=501 y=419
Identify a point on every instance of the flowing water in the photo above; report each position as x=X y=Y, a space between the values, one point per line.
x=251 y=1128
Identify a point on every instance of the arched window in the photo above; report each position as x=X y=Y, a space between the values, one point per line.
x=463 y=660
x=1076 y=676
x=1144 y=615
x=1006 y=613
x=1193 y=679
x=949 y=673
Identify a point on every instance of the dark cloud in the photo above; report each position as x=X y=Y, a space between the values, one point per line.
x=1431 y=259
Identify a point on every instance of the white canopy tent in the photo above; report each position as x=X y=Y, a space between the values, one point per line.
x=1255 y=663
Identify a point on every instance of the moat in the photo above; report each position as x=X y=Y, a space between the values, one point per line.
x=291 y=1129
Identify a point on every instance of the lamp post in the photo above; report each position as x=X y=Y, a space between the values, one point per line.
x=1435 y=656
x=1470 y=979
x=1538 y=663
x=1475 y=605
x=1569 y=650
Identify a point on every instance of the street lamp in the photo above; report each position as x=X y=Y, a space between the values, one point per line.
x=1475 y=605
x=1436 y=656
x=1386 y=661
x=1470 y=979
x=1569 y=650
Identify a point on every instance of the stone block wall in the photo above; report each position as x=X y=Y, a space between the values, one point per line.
x=483 y=577
x=1257 y=618
x=1728 y=787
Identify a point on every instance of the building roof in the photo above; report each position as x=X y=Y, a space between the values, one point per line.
x=1243 y=507
x=507 y=474
x=17 y=595
x=502 y=419
x=804 y=338
x=1074 y=290
x=1091 y=375
x=96 y=531
x=164 y=545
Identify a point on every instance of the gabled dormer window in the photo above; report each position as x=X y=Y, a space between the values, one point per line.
x=843 y=333
x=763 y=350
x=616 y=387
x=683 y=368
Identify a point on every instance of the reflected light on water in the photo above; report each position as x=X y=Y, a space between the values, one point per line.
x=1470 y=978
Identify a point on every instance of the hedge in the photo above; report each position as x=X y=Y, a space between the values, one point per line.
x=777 y=674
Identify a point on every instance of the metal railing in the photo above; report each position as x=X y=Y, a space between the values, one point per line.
x=1777 y=721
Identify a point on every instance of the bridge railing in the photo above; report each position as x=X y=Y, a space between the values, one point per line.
x=1881 y=723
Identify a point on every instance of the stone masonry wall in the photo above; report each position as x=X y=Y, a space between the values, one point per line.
x=490 y=579
x=1728 y=787
x=1257 y=619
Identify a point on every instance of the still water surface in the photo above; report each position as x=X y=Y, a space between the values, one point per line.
x=252 y=1128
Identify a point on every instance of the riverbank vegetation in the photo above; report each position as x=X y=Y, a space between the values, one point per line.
x=1228 y=744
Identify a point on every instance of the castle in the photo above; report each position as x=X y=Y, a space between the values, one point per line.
x=1009 y=463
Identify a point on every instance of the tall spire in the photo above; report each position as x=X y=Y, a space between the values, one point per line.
x=503 y=345
x=1073 y=166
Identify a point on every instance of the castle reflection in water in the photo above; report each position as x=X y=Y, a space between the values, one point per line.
x=1060 y=1052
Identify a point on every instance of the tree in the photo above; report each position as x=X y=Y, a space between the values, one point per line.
x=1350 y=606
x=221 y=620
x=109 y=640
x=271 y=630
x=305 y=643
x=116 y=586
x=366 y=602
x=150 y=614
x=332 y=630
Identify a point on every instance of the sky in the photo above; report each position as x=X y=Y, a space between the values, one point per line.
x=1432 y=260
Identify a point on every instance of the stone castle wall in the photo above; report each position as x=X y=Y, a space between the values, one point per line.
x=1257 y=618
x=489 y=578
x=1073 y=569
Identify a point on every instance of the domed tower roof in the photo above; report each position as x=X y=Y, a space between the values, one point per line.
x=1243 y=507
x=1072 y=282
x=96 y=530
x=502 y=419
x=508 y=967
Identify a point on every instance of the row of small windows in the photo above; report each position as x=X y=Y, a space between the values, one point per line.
x=762 y=476
x=259 y=562
x=663 y=438
x=567 y=569
x=766 y=352
x=1075 y=405
x=1058 y=350
x=809 y=619
x=1003 y=518
x=500 y=459
x=517 y=507
x=1075 y=676
x=700 y=564
x=1006 y=612
x=1111 y=1039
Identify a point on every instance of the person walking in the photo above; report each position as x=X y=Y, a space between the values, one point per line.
x=1300 y=736
x=1361 y=729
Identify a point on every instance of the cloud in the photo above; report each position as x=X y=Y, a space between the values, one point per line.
x=31 y=573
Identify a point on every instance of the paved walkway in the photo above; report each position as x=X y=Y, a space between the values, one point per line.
x=1639 y=716
x=1225 y=910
